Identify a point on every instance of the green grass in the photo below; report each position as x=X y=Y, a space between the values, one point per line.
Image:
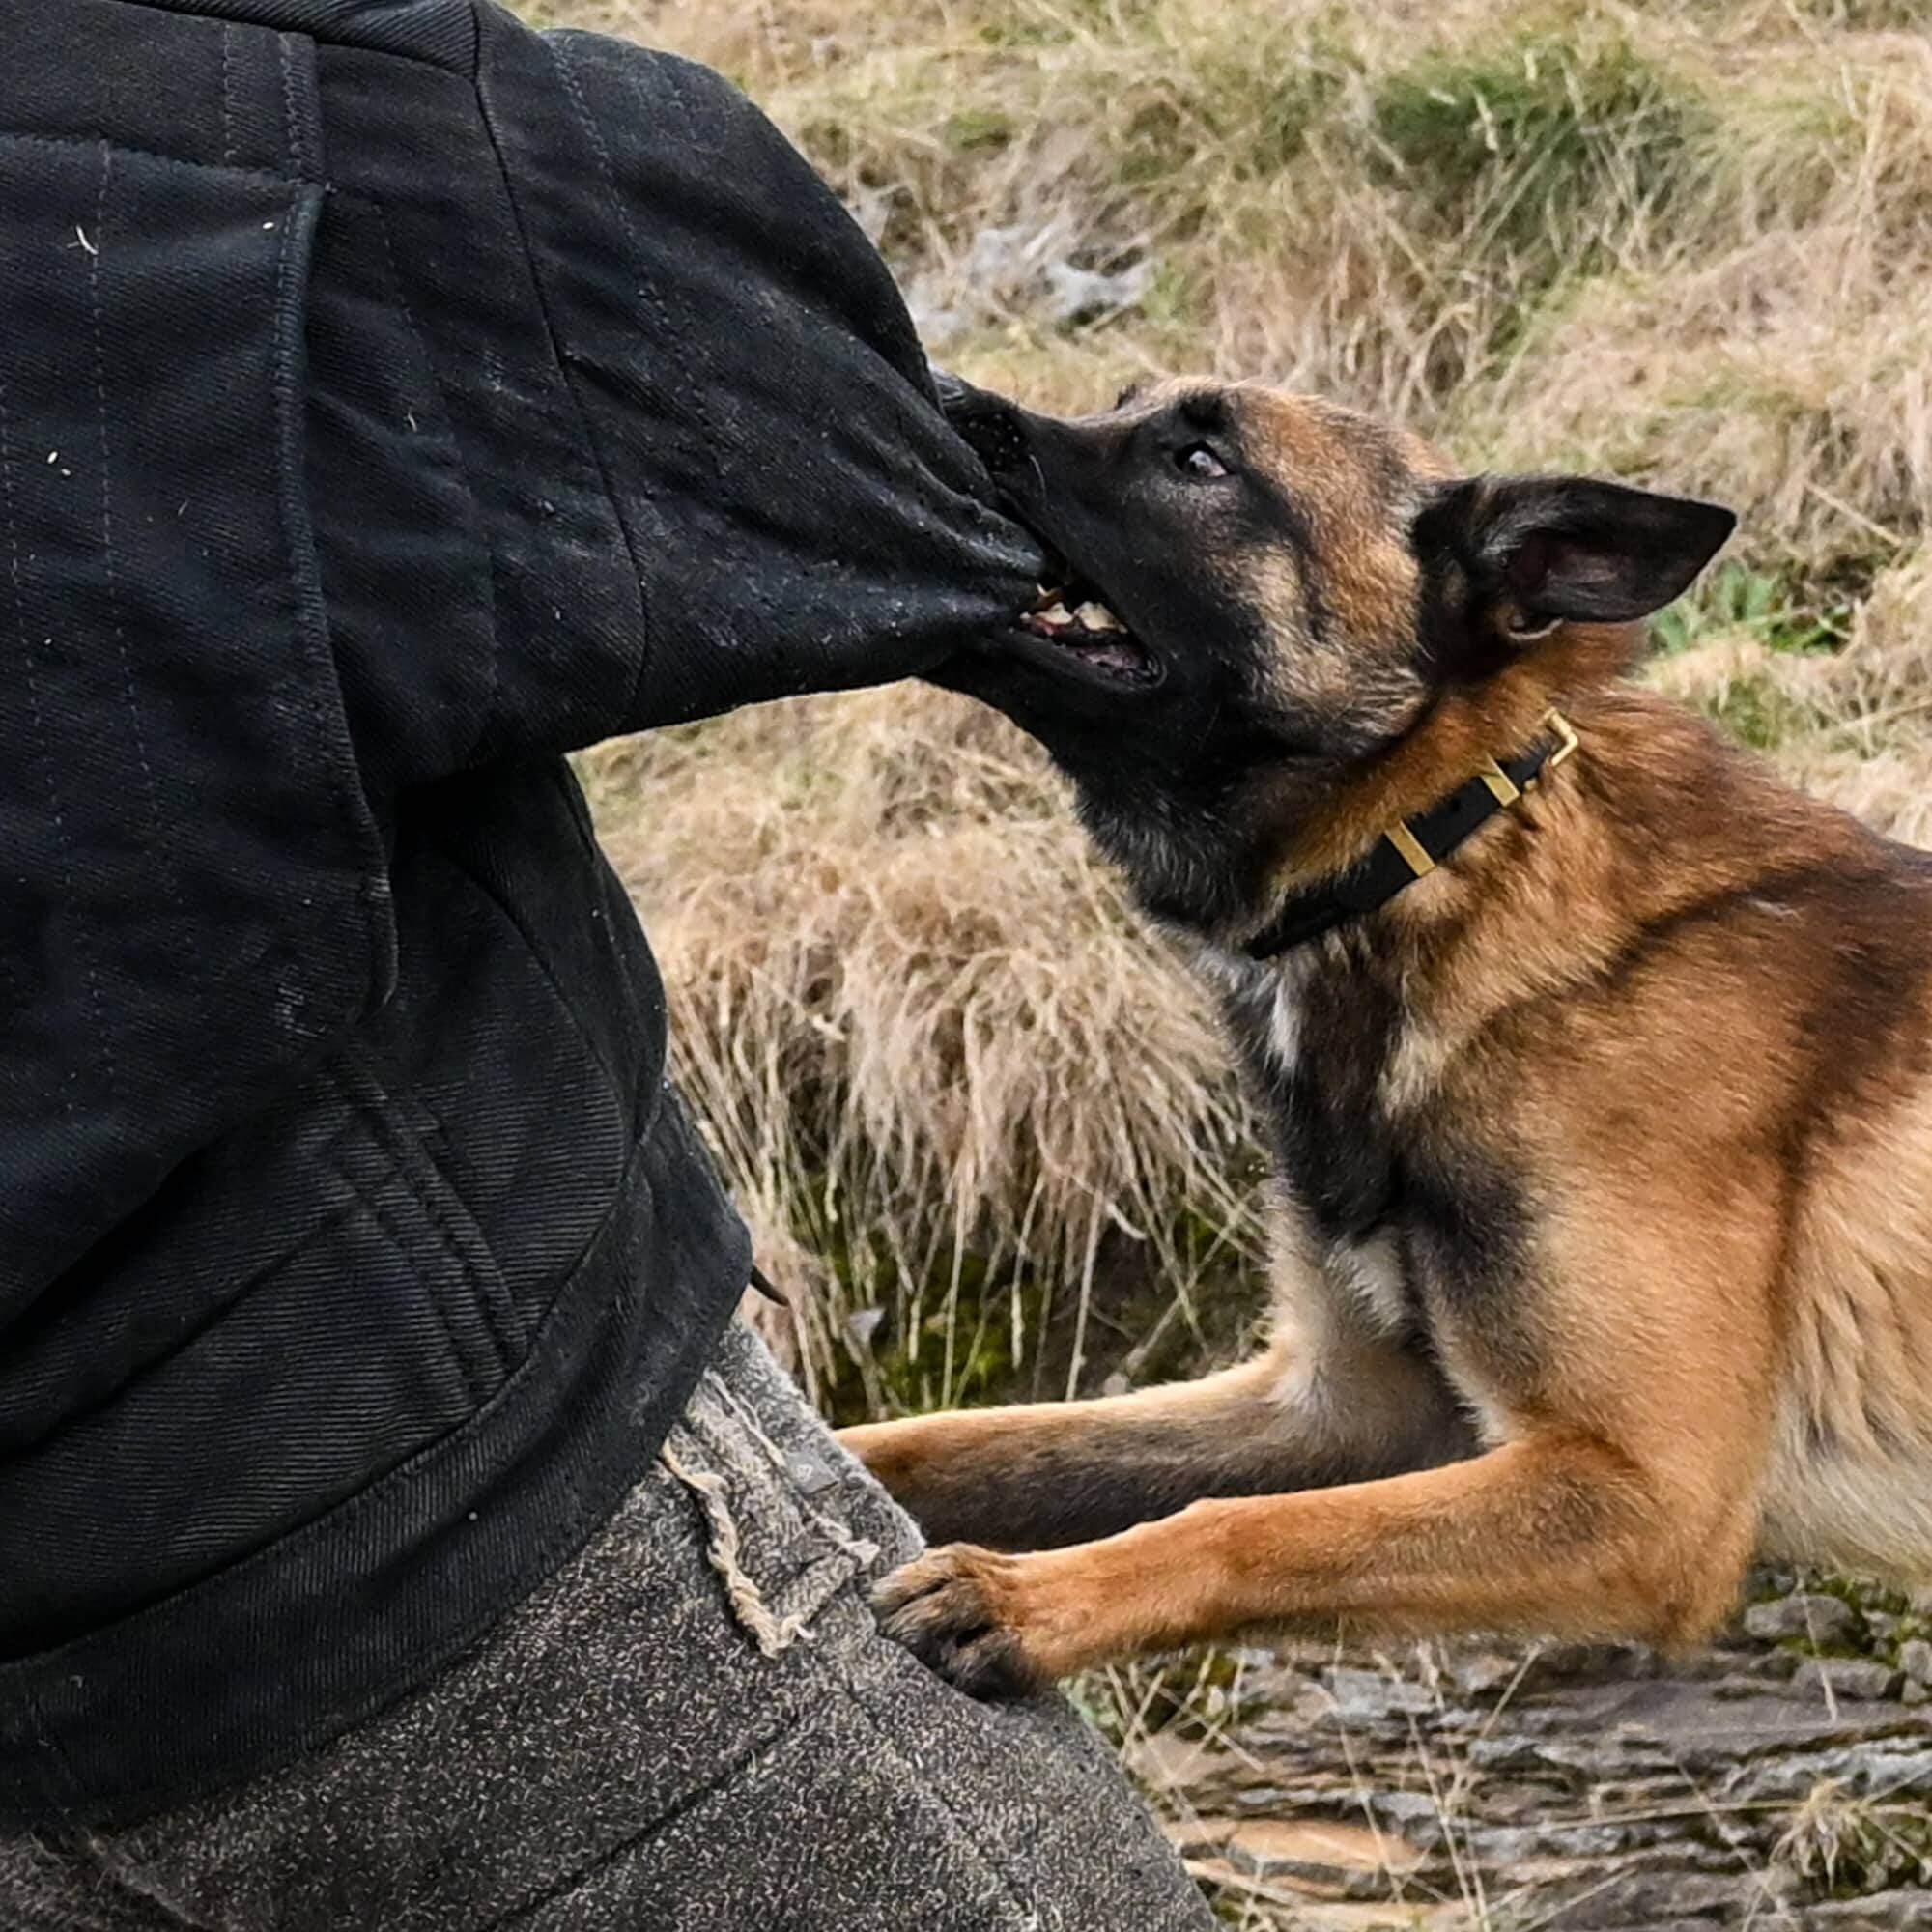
x=1535 y=164
x=1784 y=611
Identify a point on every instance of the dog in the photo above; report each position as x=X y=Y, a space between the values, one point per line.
x=1596 y=1061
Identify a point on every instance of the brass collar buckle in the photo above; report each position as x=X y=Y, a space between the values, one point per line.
x=1411 y=847
x=1467 y=802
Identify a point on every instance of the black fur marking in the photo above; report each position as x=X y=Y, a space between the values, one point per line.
x=1052 y=1493
x=1460 y=1218
x=1205 y=409
x=1471 y=1223
x=1331 y=1139
x=1448 y=645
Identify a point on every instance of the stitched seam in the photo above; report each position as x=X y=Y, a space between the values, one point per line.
x=933 y=1803
x=373 y=1207
x=158 y=848
x=105 y=1054
x=590 y=442
x=461 y=64
x=508 y=1349
x=560 y=48
x=439 y=390
x=572 y=88
x=301 y=148
x=228 y=149
x=266 y=176
x=940 y=1800
x=396 y=1143
x=289 y=132
x=309 y=616
x=619 y=1089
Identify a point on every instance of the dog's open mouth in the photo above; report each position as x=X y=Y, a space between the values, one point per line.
x=1082 y=630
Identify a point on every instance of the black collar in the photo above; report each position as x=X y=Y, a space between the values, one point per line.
x=1409 y=849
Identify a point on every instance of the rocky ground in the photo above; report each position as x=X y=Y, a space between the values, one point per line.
x=1782 y=1779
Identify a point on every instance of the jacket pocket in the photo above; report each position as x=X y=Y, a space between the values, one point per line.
x=194 y=901
x=300 y=1344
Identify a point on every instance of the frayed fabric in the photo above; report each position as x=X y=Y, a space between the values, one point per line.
x=772 y=1634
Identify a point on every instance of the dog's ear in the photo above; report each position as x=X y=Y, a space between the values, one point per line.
x=1535 y=550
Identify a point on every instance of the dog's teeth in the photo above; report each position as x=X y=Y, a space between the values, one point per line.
x=1057 y=614
x=1098 y=617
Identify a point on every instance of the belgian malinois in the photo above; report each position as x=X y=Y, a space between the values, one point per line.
x=1597 y=1061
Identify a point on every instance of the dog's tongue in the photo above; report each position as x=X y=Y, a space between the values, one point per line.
x=1108 y=654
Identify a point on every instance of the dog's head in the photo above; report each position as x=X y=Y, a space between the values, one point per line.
x=1270 y=619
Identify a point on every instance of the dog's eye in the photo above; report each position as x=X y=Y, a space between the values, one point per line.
x=1198 y=460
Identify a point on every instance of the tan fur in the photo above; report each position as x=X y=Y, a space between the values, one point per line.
x=1685 y=1014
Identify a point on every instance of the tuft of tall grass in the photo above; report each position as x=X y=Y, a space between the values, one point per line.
x=958 y=1083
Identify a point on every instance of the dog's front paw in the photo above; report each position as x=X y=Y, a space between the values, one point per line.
x=961 y=1610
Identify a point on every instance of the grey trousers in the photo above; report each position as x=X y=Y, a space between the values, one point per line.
x=694 y=1727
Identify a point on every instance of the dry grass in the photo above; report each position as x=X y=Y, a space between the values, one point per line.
x=1685 y=242
x=934 y=1049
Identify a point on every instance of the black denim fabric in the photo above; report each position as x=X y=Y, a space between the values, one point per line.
x=392 y=398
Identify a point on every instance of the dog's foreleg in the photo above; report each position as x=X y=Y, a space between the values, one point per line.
x=1553 y=1534
x=1037 y=1476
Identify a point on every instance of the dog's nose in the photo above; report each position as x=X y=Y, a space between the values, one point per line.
x=990 y=425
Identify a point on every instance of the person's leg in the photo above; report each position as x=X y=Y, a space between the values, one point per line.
x=696 y=1726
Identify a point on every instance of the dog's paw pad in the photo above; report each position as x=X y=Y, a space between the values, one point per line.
x=952 y=1610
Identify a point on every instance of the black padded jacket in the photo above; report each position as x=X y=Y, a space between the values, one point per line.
x=392 y=398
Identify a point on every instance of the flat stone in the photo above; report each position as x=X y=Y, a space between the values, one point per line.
x=1915 y=1659
x=1674 y=1897
x=1876 y=1766
x=1483 y=1673
x=1508 y=1845
x=1877 y=1912
x=1859 y=1677
x=1811 y=1615
x=1336 y=1857
x=1602 y=1793
x=1372 y=1694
